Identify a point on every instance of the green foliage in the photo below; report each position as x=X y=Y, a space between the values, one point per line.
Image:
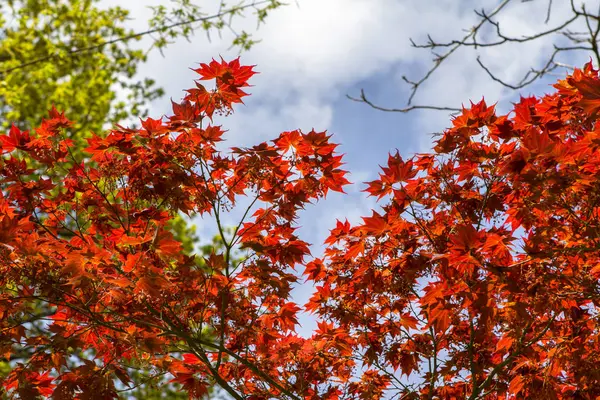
x=4 y=369
x=83 y=85
x=185 y=233
x=74 y=55
x=185 y=17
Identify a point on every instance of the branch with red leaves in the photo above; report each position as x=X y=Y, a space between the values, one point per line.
x=478 y=277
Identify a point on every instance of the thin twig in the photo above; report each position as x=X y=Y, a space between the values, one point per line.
x=578 y=41
x=363 y=99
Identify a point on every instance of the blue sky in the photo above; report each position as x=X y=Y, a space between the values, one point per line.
x=315 y=52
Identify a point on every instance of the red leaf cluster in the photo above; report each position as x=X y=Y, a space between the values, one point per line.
x=478 y=278
x=93 y=247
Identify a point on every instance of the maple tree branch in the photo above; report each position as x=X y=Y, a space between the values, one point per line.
x=142 y=382
x=217 y=207
x=452 y=188
x=136 y=35
x=593 y=39
x=433 y=370
x=24 y=352
x=510 y=358
x=198 y=351
x=215 y=373
x=505 y=39
x=390 y=375
x=418 y=220
x=178 y=332
x=250 y=365
x=239 y=224
x=100 y=192
x=80 y=310
x=471 y=352
x=548 y=11
x=228 y=246
x=488 y=186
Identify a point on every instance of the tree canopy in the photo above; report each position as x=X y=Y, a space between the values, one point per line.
x=477 y=278
x=80 y=57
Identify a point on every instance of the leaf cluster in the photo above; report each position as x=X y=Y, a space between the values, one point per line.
x=477 y=278
x=94 y=244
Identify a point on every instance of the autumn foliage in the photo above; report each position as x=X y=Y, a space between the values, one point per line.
x=478 y=278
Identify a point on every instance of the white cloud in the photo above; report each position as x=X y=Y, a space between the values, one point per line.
x=253 y=124
x=312 y=53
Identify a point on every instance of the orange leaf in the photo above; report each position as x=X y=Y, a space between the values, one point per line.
x=589 y=88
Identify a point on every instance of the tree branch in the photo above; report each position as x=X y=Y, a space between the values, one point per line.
x=579 y=41
x=363 y=99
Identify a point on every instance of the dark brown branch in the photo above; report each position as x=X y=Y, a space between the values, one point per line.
x=431 y=44
x=363 y=99
x=506 y=39
x=441 y=58
x=532 y=75
x=549 y=11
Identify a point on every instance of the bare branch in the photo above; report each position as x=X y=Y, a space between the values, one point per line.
x=431 y=44
x=549 y=11
x=563 y=65
x=363 y=99
x=577 y=41
x=533 y=74
x=506 y=39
